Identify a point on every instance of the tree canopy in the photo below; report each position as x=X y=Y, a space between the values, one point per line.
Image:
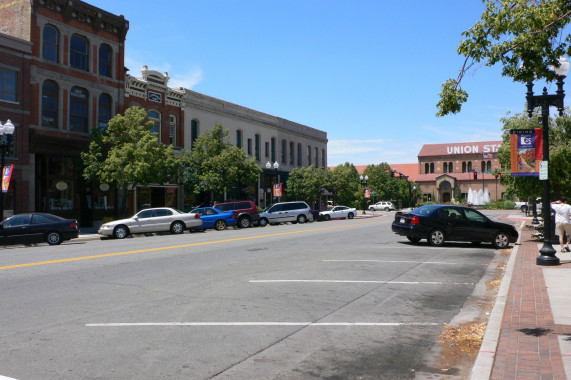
x=215 y=165
x=128 y=153
x=525 y=36
x=306 y=183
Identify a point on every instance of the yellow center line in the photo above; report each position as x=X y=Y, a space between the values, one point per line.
x=176 y=246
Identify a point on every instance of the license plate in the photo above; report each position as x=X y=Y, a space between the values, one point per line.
x=402 y=220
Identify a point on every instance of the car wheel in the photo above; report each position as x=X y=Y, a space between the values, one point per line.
x=350 y=216
x=387 y=209
x=327 y=217
x=219 y=225
x=54 y=238
x=263 y=222
x=436 y=238
x=177 y=227
x=244 y=222
x=413 y=239
x=301 y=218
x=120 y=232
x=501 y=240
x=523 y=208
x=371 y=209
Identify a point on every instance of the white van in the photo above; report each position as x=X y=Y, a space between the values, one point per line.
x=295 y=212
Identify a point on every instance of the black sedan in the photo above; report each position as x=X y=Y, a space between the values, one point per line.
x=440 y=223
x=37 y=227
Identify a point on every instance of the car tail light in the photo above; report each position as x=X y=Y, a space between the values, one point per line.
x=73 y=224
x=196 y=216
x=414 y=220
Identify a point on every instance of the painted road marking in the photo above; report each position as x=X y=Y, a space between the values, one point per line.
x=262 y=324
x=401 y=261
x=367 y=282
x=177 y=246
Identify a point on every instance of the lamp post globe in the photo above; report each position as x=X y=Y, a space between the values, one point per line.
x=6 y=130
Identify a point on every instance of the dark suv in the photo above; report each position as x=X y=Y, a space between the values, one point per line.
x=246 y=212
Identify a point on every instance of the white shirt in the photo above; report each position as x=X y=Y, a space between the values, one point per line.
x=562 y=212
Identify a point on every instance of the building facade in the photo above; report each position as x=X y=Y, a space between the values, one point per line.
x=449 y=172
x=15 y=58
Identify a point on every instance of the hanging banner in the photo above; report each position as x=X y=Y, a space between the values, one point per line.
x=278 y=190
x=367 y=193
x=526 y=151
x=6 y=175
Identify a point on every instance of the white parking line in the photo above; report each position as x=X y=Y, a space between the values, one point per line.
x=402 y=261
x=262 y=324
x=366 y=282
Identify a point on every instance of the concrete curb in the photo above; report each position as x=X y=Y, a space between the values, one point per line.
x=482 y=368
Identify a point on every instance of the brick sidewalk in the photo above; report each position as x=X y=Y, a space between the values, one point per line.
x=528 y=345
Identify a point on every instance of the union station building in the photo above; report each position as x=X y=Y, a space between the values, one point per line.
x=448 y=171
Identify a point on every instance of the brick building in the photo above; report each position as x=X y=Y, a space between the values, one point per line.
x=76 y=84
x=15 y=57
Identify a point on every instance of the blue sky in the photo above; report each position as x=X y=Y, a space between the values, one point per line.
x=366 y=72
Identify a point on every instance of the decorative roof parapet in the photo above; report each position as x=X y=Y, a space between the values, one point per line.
x=154 y=81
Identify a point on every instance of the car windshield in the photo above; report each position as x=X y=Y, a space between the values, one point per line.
x=424 y=210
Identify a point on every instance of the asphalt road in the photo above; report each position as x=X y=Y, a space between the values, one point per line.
x=335 y=300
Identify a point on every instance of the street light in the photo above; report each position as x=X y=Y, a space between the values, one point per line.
x=276 y=167
x=6 y=130
x=547 y=252
x=364 y=181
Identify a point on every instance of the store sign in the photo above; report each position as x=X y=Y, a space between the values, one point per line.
x=156 y=97
x=78 y=93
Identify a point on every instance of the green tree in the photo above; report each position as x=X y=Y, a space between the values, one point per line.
x=382 y=182
x=526 y=37
x=559 y=156
x=214 y=165
x=128 y=154
x=345 y=184
x=306 y=184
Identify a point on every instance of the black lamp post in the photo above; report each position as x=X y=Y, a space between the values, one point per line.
x=276 y=167
x=6 y=130
x=547 y=252
x=364 y=181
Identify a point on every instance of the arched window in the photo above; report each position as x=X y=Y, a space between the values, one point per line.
x=432 y=167
x=273 y=149
x=239 y=138
x=284 y=152
x=489 y=166
x=79 y=52
x=308 y=155
x=426 y=168
x=464 y=167
x=445 y=167
x=155 y=117
x=469 y=166
x=50 y=104
x=299 y=154
x=104 y=111
x=78 y=109
x=483 y=166
x=50 y=46
x=316 y=156
x=450 y=167
x=257 y=147
x=291 y=153
x=193 y=132
x=105 y=60
x=172 y=130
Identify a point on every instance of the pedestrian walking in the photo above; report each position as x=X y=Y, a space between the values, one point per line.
x=562 y=222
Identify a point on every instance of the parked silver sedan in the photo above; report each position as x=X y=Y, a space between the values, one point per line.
x=337 y=212
x=151 y=220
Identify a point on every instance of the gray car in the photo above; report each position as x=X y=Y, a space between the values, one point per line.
x=151 y=220
x=295 y=212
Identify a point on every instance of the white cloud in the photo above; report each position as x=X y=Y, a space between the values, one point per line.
x=187 y=79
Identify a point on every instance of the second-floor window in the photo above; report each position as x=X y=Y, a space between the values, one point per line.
x=239 y=138
x=155 y=117
x=8 y=85
x=284 y=152
x=172 y=130
x=50 y=104
x=193 y=132
x=50 y=47
x=299 y=154
x=104 y=111
x=79 y=53
x=105 y=60
x=257 y=147
x=78 y=109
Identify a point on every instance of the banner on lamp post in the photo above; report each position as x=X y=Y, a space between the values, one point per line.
x=526 y=151
x=367 y=193
x=6 y=175
x=278 y=190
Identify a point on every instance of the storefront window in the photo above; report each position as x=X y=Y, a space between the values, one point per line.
x=60 y=195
